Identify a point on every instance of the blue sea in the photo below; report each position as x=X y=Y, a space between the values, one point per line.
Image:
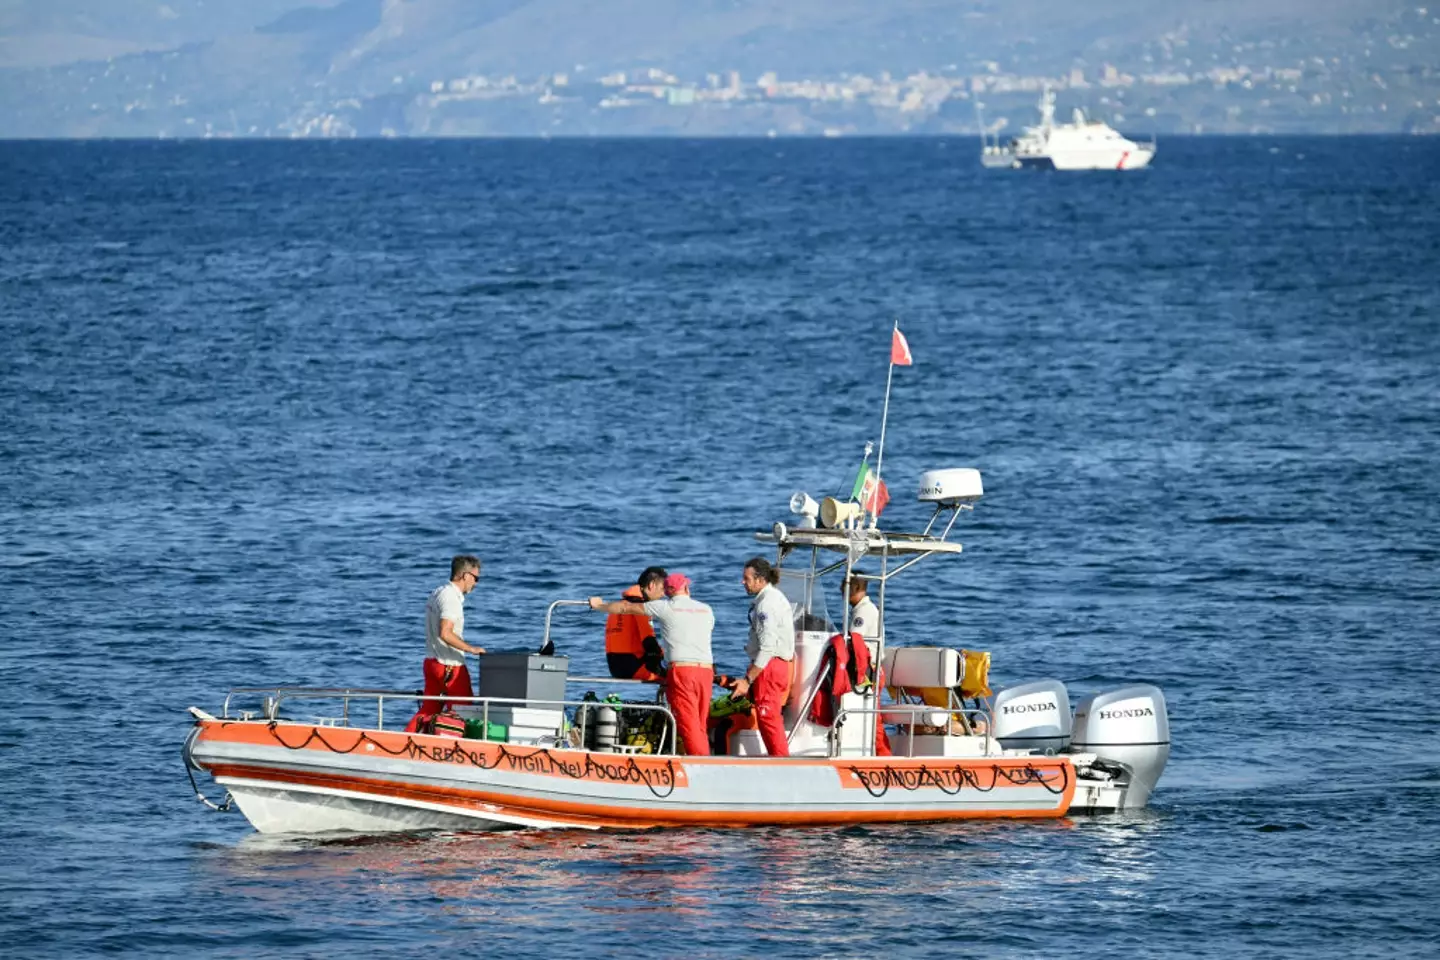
x=253 y=396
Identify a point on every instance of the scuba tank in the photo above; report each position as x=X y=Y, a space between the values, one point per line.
x=607 y=728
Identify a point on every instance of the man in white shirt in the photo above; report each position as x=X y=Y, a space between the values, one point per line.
x=771 y=648
x=864 y=615
x=865 y=620
x=686 y=626
x=445 y=646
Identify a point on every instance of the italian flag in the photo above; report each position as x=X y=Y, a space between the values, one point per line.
x=869 y=491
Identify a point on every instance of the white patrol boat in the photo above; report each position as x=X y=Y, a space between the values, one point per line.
x=924 y=741
x=1083 y=144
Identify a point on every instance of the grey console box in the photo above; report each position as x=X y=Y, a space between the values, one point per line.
x=522 y=675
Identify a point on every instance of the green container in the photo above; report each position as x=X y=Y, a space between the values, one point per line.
x=477 y=729
x=725 y=706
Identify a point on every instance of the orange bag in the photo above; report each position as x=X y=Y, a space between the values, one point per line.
x=449 y=724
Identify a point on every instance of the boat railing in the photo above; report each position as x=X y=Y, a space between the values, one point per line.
x=918 y=713
x=585 y=711
x=550 y=614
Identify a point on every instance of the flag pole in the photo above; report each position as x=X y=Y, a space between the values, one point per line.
x=884 y=417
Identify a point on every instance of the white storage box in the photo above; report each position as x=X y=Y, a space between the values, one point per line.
x=932 y=745
x=923 y=667
x=531 y=735
x=529 y=724
x=855 y=734
x=524 y=724
x=747 y=743
x=526 y=716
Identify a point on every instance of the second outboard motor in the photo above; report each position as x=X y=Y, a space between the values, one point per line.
x=1128 y=727
x=1033 y=716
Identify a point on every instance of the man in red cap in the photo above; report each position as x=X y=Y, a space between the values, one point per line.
x=686 y=626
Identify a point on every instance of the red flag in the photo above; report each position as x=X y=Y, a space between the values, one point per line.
x=899 y=349
x=873 y=493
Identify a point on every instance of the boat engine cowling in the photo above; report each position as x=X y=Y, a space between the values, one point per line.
x=1033 y=716
x=1128 y=727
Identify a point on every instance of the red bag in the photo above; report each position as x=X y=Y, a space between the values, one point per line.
x=449 y=725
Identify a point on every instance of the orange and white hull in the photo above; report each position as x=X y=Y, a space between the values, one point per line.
x=299 y=778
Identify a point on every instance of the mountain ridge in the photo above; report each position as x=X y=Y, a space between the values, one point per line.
x=211 y=66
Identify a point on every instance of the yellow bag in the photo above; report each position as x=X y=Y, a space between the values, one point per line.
x=976 y=682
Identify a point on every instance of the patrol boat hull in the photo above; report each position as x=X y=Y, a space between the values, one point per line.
x=291 y=777
x=1133 y=159
x=1084 y=144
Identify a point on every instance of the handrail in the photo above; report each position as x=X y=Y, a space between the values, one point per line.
x=276 y=696
x=338 y=692
x=371 y=691
x=551 y=610
x=804 y=714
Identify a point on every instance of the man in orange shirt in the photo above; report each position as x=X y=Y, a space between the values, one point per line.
x=631 y=650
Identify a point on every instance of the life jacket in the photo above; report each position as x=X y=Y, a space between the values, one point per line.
x=630 y=635
x=849 y=661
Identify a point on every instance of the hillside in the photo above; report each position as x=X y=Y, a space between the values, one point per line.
x=278 y=67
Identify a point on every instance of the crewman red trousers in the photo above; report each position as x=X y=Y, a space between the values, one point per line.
x=768 y=693
x=440 y=680
x=688 y=691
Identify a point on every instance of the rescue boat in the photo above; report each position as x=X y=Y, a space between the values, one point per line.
x=537 y=752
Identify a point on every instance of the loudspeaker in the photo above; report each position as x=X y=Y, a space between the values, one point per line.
x=836 y=513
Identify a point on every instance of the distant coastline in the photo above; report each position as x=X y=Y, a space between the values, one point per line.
x=365 y=69
x=961 y=140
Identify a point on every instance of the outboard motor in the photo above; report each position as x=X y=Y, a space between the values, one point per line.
x=1033 y=716
x=1128 y=727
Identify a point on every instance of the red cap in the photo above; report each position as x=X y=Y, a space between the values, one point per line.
x=676 y=582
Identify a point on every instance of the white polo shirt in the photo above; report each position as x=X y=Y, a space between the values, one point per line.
x=446 y=603
x=865 y=619
x=685 y=628
x=772 y=627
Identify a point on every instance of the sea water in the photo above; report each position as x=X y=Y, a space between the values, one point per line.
x=253 y=396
